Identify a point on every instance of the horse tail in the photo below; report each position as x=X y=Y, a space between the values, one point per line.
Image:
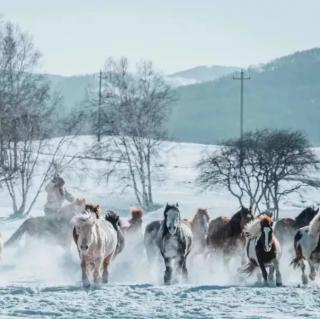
x=249 y=268
x=17 y=234
x=295 y=261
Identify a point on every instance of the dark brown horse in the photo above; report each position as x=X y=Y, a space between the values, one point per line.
x=286 y=228
x=225 y=234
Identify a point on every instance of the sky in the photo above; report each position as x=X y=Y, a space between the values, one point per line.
x=77 y=36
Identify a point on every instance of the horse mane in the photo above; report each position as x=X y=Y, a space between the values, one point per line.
x=113 y=219
x=253 y=228
x=93 y=209
x=305 y=217
x=236 y=220
x=314 y=227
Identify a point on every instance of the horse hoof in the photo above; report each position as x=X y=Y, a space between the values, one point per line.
x=279 y=284
x=86 y=284
x=312 y=277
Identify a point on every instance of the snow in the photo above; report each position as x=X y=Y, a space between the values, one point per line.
x=39 y=280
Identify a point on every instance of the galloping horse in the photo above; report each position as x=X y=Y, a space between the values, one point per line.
x=286 y=228
x=96 y=240
x=263 y=249
x=57 y=229
x=173 y=238
x=307 y=246
x=225 y=234
x=199 y=226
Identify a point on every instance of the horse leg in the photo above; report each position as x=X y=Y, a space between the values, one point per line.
x=84 y=269
x=182 y=264
x=264 y=271
x=303 y=269
x=271 y=273
x=97 y=271
x=278 y=274
x=106 y=263
x=312 y=274
x=168 y=271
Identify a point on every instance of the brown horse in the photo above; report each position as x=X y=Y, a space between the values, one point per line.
x=286 y=228
x=263 y=249
x=225 y=234
x=199 y=226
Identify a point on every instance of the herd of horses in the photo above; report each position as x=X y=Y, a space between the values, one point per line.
x=257 y=240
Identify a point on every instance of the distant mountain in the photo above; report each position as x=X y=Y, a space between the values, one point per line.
x=284 y=93
x=205 y=73
x=73 y=89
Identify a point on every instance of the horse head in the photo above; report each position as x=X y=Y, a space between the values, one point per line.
x=266 y=232
x=202 y=219
x=85 y=230
x=172 y=218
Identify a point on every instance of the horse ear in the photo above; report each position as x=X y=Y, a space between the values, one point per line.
x=177 y=205
x=317 y=210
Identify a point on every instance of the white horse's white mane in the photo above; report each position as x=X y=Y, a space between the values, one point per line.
x=253 y=228
x=314 y=227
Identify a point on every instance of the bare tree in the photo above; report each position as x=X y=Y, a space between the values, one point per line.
x=135 y=106
x=264 y=166
x=27 y=108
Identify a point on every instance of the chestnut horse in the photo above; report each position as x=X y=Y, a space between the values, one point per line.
x=225 y=234
x=97 y=242
x=286 y=228
x=135 y=223
x=263 y=249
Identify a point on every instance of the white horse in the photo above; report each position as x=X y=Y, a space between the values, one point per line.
x=173 y=239
x=306 y=245
x=263 y=249
x=96 y=240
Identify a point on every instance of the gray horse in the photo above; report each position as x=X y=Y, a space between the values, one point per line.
x=173 y=239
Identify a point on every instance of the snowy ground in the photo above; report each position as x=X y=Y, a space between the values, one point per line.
x=42 y=281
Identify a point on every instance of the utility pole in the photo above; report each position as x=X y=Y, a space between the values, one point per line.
x=99 y=107
x=242 y=77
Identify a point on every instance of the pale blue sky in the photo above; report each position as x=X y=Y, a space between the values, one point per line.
x=76 y=36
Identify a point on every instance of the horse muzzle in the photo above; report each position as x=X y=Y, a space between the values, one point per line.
x=172 y=230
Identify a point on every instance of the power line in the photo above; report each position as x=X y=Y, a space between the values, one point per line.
x=242 y=77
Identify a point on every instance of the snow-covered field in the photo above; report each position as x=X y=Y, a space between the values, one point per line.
x=42 y=281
